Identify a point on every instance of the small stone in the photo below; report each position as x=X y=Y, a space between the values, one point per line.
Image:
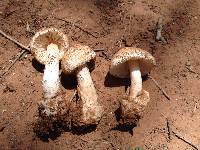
x=2 y=126
x=4 y=110
x=9 y=88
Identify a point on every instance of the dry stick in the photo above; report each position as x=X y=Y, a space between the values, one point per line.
x=25 y=49
x=159 y=36
x=184 y=140
x=80 y=28
x=99 y=50
x=171 y=132
x=28 y=49
x=73 y=96
x=12 y=64
x=160 y=88
x=191 y=70
x=15 y=41
x=169 y=129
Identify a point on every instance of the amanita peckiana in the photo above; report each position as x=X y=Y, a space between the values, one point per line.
x=133 y=62
x=74 y=61
x=48 y=47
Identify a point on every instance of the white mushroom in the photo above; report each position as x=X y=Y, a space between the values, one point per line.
x=133 y=62
x=48 y=46
x=74 y=61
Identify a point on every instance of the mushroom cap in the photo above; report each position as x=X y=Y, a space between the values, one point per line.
x=76 y=56
x=43 y=38
x=119 y=63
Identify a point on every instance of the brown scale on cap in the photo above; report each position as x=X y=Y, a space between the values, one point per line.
x=75 y=57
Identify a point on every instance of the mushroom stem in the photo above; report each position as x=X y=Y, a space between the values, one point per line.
x=92 y=111
x=51 y=72
x=136 y=79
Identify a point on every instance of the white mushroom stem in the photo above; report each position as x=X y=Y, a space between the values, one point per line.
x=136 y=79
x=86 y=86
x=91 y=108
x=51 y=72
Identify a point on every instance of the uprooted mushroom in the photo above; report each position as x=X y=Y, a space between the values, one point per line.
x=48 y=47
x=74 y=61
x=134 y=63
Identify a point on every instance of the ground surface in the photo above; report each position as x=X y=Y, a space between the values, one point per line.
x=113 y=25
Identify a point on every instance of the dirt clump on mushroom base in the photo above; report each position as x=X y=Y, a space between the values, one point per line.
x=63 y=116
x=53 y=117
x=133 y=111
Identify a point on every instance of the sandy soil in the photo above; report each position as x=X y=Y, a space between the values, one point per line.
x=112 y=25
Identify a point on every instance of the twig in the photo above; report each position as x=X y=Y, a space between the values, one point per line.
x=15 y=41
x=195 y=108
x=105 y=55
x=77 y=26
x=159 y=36
x=184 y=140
x=191 y=70
x=74 y=94
x=28 y=29
x=171 y=132
x=25 y=49
x=169 y=129
x=14 y=61
x=98 y=50
x=160 y=88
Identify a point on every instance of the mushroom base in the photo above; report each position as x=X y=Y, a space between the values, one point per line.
x=86 y=115
x=133 y=110
x=53 y=108
x=91 y=115
x=53 y=115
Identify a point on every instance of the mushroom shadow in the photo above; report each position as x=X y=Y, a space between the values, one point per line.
x=145 y=77
x=123 y=127
x=91 y=65
x=38 y=66
x=47 y=129
x=80 y=130
x=112 y=81
x=52 y=129
x=68 y=81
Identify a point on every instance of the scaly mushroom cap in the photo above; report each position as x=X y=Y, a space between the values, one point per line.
x=43 y=38
x=75 y=57
x=119 y=66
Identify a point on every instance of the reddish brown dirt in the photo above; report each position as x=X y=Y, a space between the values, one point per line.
x=113 y=24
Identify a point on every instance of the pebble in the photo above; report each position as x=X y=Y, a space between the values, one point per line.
x=9 y=88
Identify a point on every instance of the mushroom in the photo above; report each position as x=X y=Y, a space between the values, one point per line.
x=74 y=61
x=48 y=47
x=134 y=63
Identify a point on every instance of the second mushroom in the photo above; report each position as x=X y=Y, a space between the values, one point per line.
x=134 y=63
x=74 y=61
